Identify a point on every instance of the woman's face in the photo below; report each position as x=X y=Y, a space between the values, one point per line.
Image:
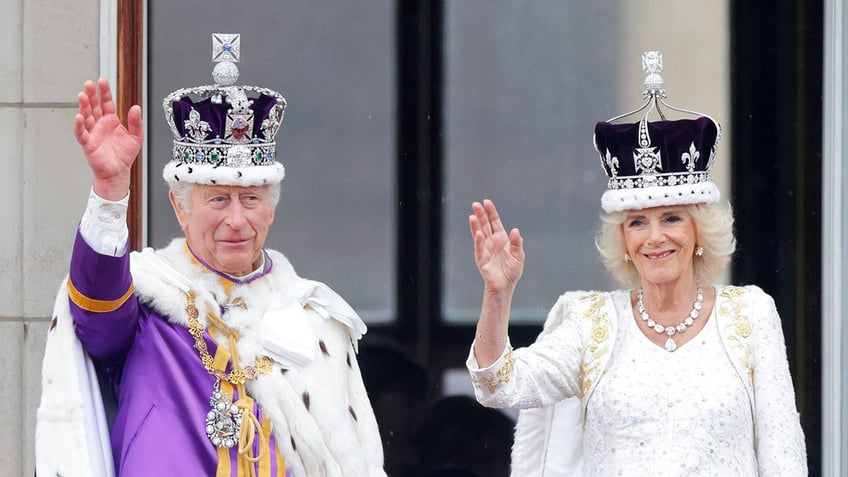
x=661 y=243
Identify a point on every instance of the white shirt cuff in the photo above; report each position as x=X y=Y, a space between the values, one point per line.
x=104 y=225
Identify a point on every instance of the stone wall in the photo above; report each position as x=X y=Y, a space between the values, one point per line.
x=50 y=47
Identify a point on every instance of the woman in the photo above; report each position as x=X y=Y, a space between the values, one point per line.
x=674 y=375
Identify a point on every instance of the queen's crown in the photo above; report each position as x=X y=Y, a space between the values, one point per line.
x=656 y=163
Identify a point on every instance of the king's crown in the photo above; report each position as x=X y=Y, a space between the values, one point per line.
x=223 y=125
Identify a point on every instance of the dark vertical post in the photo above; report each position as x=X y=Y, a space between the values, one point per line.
x=777 y=56
x=419 y=171
x=129 y=88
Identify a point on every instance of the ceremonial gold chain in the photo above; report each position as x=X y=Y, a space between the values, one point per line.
x=262 y=364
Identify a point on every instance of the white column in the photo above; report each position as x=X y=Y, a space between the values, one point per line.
x=834 y=241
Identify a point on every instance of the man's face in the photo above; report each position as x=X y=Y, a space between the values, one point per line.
x=226 y=226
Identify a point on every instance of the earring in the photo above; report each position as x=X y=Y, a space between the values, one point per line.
x=699 y=251
x=626 y=257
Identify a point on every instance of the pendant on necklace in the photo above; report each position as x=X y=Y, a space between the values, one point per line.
x=670 y=345
x=688 y=320
x=223 y=421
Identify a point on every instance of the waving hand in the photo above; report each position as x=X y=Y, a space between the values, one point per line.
x=500 y=258
x=109 y=147
x=499 y=255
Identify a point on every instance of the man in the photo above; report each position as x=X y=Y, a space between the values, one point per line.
x=222 y=360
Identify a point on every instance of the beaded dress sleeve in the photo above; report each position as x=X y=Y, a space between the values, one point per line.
x=538 y=375
x=779 y=438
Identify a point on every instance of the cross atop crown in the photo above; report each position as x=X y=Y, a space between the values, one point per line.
x=226 y=47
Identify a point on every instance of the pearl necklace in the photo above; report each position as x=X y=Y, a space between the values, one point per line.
x=670 y=344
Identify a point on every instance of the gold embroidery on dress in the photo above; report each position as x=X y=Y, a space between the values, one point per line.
x=593 y=352
x=494 y=380
x=740 y=326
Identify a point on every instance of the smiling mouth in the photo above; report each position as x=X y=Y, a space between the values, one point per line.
x=658 y=256
x=235 y=241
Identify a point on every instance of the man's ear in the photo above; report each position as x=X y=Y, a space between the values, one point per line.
x=179 y=212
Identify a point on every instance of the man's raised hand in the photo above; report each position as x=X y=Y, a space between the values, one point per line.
x=109 y=147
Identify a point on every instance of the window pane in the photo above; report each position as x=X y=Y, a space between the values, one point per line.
x=525 y=82
x=335 y=221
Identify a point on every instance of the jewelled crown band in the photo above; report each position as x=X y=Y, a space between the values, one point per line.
x=656 y=163
x=224 y=133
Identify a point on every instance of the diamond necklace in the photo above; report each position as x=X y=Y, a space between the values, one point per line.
x=670 y=344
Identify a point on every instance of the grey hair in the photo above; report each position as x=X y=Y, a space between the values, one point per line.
x=714 y=232
x=182 y=193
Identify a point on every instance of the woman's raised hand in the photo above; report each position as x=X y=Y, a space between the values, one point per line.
x=499 y=255
x=109 y=147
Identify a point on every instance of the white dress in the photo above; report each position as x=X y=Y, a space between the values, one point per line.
x=722 y=404
x=667 y=414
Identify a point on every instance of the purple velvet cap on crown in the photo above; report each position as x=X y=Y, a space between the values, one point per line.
x=652 y=164
x=215 y=114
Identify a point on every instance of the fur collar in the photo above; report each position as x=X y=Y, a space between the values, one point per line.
x=311 y=443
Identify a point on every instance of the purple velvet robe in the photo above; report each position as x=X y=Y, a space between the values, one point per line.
x=160 y=384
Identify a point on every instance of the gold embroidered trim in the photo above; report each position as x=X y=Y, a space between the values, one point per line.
x=740 y=323
x=493 y=381
x=600 y=333
x=96 y=306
